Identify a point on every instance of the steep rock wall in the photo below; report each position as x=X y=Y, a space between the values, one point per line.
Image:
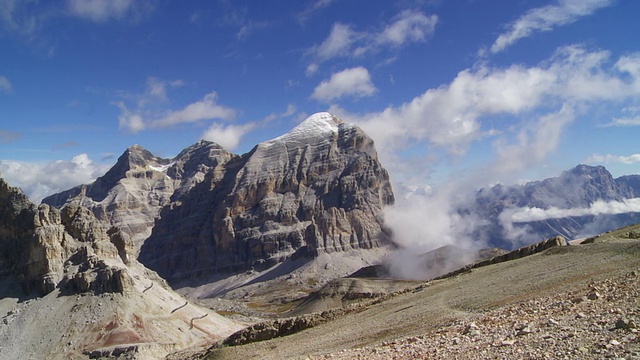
x=317 y=188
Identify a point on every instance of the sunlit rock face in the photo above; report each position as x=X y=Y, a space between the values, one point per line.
x=318 y=188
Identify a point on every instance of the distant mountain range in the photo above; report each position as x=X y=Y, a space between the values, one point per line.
x=582 y=201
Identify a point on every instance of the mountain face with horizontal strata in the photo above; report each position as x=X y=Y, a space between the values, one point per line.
x=318 y=188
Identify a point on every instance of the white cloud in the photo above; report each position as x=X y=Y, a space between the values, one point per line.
x=158 y=88
x=534 y=142
x=353 y=82
x=129 y=120
x=634 y=121
x=599 y=207
x=546 y=18
x=338 y=43
x=291 y=109
x=427 y=221
x=343 y=41
x=205 y=109
x=408 y=26
x=228 y=136
x=312 y=9
x=311 y=69
x=17 y=16
x=598 y=159
x=100 y=10
x=452 y=115
x=5 y=85
x=38 y=180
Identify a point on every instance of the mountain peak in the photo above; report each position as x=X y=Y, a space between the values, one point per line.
x=136 y=156
x=136 y=148
x=316 y=126
x=583 y=169
x=199 y=146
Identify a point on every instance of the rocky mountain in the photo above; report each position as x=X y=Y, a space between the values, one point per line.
x=105 y=301
x=318 y=188
x=577 y=188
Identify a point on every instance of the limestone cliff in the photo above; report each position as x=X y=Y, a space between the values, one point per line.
x=318 y=188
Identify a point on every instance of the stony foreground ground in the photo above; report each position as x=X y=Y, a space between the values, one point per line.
x=570 y=302
x=599 y=321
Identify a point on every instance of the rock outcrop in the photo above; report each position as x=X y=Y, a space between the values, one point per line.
x=45 y=248
x=16 y=228
x=318 y=188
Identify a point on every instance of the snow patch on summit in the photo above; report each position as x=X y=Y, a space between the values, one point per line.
x=162 y=168
x=318 y=125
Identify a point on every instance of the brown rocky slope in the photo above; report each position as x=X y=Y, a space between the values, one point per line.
x=577 y=301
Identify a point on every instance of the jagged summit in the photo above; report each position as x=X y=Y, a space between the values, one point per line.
x=136 y=156
x=200 y=145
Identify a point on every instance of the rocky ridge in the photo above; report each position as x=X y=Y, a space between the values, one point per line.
x=130 y=195
x=45 y=248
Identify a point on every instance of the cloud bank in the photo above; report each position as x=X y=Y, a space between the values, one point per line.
x=38 y=180
x=427 y=219
x=600 y=207
x=536 y=103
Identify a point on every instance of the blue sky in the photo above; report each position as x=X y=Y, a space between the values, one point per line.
x=484 y=91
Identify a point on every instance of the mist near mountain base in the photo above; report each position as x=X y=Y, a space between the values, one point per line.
x=421 y=223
